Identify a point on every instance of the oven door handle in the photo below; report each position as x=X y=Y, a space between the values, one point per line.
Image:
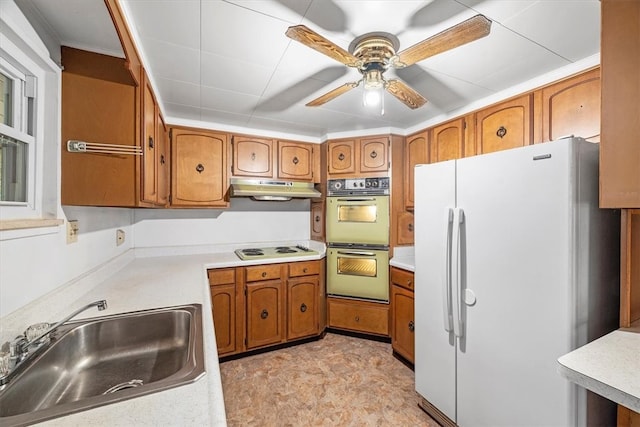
x=356 y=253
x=359 y=199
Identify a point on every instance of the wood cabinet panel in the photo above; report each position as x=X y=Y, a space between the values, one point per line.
x=265 y=313
x=164 y=161
x=620 y=109
x=295 y=161
x=252 y=157
x=359 y=316
x=416 y=152
x=199 y=168
x=571 y=107
x=630 y=267
x=228 y=309
x=341 y=157
x=403 y=322
x=374 y=155
x=304 y=268
x=402 y=278
x=405 y=228
x=149 y=143
x=447 y=141
x=263 y=272
x=505 y=125
x=302 y=307
x=317 y=221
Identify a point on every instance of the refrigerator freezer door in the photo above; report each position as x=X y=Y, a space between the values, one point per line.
x=516 y=260
x=435 y=366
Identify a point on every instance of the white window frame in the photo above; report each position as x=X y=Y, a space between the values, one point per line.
x=24 y=54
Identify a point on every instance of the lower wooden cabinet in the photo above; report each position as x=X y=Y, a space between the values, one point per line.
x=265 y=305
x=402 y=313
x=358 y=316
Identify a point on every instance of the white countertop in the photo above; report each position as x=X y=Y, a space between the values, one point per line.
x=608 y=366
x=153 y=278
x=404 y=258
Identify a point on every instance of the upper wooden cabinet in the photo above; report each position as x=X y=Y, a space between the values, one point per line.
x=505 y=125
x=416 y=152
x=155 y=153
x=198 y=168
x=295 y=161
x=355 y=157
x=620 y=68
x=569 y=107
x=447 y=141
x=252 y=156
x=100 y=103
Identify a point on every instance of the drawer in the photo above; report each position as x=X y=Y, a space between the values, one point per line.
x=358 y=316
x=307 y=268
x=402 y=278
x=222 y=276
x=262 y=272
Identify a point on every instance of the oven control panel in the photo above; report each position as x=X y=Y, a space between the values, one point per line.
x=349 y=186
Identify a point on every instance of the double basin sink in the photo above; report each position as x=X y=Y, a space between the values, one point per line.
x=104 y=360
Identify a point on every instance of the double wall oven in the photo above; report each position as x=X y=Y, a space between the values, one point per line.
x=357 y=229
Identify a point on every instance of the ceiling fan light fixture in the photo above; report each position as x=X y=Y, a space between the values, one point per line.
x=373 y=89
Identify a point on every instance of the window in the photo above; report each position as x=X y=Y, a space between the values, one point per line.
x=16 y=135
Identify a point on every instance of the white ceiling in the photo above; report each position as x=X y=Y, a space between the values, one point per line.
x=229 y=63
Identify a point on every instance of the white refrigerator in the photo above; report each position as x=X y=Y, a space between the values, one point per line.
x=515 y=266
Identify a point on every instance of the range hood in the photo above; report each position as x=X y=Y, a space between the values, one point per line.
x=262 y=189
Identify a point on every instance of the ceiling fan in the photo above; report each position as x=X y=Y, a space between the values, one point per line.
x=373 y=53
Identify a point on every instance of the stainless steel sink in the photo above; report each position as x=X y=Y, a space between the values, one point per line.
x=104 y=360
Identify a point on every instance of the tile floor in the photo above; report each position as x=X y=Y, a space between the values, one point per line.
x=336 y=381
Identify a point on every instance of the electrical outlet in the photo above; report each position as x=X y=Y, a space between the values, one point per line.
x=72 y=231
x=119 y=237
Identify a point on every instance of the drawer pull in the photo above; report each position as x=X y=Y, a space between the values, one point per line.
x=357 y=318
x=303 y=307
x=264 y=274
x=341 y=156
x=295 y=161
x=264 y=314
x=409 y=282
x=304 y=270
x=199 y=168
x=412 y=326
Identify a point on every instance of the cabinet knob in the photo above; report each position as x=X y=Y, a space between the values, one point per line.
x=151 y=144
x=412 y=326
x=409 y=282
x=501 y=132
x=264 y=314
x=199 y=168
x=373 y=155
x=303 y=307
x=317 y=218
x=264 y=274
x=304 y=270
x=410 y=227
x=357 y=318
x=253 y=156
x=341 y=156
x=162 y=161
x=295 y=160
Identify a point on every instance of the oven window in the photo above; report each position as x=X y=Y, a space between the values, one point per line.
x=348 y=213
x=357 y=267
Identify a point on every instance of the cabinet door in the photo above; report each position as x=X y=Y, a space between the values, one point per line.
x=341 y=157
x=198 y=168
x=265 y=313
x=149 y=145
x=302 y=307
x=447 y=141
x=164 y=183
x=416 y=152
x=252 y=157
x=223 y=302
x=620 y=64
x=405 y=228
x=317 y=221
x=402 y=322
x=503 y=126
x=295 y=161
x=572 y=107
x=374 y=155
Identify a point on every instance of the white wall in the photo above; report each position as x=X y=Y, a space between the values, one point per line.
x=245 y=221
x=31 y=267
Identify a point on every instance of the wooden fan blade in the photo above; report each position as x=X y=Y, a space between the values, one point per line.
x=404 y=93
x=458 y=35
x=304 y=35
x=332 y=94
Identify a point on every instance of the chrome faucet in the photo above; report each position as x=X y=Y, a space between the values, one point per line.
x=20 y=349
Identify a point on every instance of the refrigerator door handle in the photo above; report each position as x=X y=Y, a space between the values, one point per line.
x=456 y=281
x=446 y=283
